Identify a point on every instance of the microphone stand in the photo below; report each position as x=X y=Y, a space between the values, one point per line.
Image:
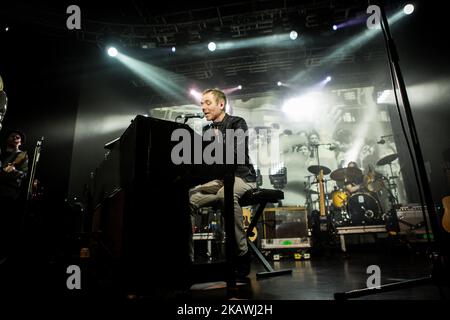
x=382 y=141
x=37 y=153
x=29 y=216
x=187 y=117
x=393 y=185
x=439 y=262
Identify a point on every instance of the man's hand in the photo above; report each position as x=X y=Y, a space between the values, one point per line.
x=353 y=188
x=9 y=168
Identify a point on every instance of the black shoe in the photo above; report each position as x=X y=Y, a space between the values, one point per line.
x=243 y=264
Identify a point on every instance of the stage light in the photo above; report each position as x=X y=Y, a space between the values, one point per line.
x=211 y=46
x=283 y=84
x=196 y=94
x=349 y=46
x=335 y=27
x=232 y=89
x=408 y=9
x=293 y=35
x=174 y=49
x=112 y=52
x=322 y=83
x=307 y=107
x=6 y=29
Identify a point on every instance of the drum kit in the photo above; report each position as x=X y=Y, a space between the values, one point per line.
x=366 y=206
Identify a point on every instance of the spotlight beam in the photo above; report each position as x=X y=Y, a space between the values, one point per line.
x=350 y=45
x=155 y=77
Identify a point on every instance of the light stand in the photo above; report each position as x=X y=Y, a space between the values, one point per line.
x=439 y=261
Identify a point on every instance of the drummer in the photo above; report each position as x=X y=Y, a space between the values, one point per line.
x=353 y=183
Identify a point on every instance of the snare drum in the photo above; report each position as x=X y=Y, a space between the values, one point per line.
x=339 y=199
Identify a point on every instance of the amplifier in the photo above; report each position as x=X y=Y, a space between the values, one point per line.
x=281 y=243
x=285 y=227
x=411 y=221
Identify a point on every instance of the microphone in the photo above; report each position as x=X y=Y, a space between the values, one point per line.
x=192 y=115
x=330 y=146
x=382 y=141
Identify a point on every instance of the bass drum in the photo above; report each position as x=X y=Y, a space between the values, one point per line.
x=364 y=209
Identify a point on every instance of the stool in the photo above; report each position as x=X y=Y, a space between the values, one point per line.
x=260 y=198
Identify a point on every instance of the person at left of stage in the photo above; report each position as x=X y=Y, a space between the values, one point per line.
x=13 y=172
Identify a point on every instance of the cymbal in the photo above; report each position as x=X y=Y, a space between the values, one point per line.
x=1 y=84
x=316 y=169
x=387 y=159
x=344 y=174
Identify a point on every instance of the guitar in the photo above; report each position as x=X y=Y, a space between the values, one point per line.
x=37 y=191
x=446 y=216
x=247 y=217
x=18 y=160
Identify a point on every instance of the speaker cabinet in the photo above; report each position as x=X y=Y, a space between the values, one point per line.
x=285 y=227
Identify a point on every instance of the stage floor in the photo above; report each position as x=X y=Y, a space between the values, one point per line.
x=317 y=278
x=321 y=276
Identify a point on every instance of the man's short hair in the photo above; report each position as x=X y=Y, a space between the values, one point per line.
x=22 y=135
x=219 y=95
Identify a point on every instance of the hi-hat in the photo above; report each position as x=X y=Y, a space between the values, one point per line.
x=316 y=169
x=387 y=159
x=345 y=174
